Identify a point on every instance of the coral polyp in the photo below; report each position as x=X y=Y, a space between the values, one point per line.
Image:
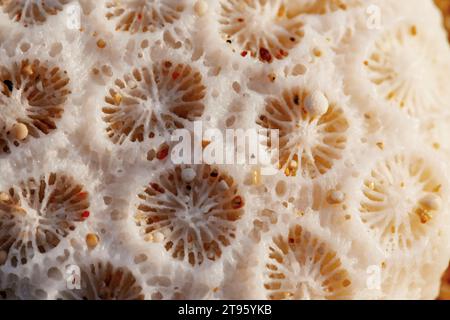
x=194 y=216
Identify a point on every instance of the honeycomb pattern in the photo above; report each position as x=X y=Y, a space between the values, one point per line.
x=193 y=213
x=301 y=266
x=32 y=93
x=37 y=214
x=153 y=99
x=309 y=144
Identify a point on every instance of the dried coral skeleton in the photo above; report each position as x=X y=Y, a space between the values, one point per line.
x=266 y=30
x=301 y=266
x=402 y=195
x=101 y=280
x=36 y=214
x=193 y=215
x=400 y=65
x=88 y=181
x=32 y=99
x=31 y=12
x=143 y=16
x=148 y=101
x=310 y=141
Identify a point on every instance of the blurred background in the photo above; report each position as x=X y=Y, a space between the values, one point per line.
x=444 y=5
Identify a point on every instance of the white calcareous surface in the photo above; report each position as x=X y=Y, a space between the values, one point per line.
x=90 y=91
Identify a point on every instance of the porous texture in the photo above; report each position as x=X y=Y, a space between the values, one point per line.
x=358 y=207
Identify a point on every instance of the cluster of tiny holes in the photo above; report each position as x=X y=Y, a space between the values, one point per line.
x=165 y=289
